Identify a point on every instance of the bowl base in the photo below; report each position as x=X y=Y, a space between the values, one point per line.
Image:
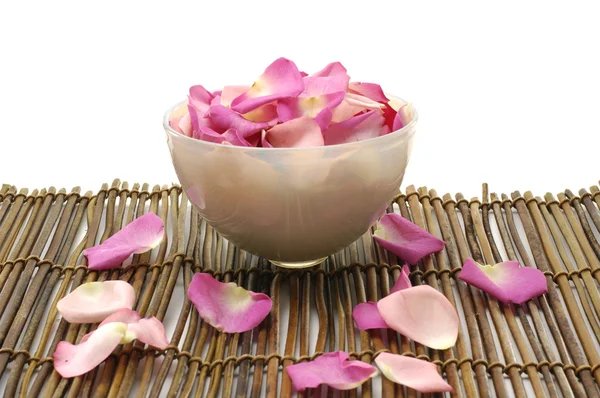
x=298 y=264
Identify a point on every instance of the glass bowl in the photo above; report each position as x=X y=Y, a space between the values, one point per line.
x=293 y=206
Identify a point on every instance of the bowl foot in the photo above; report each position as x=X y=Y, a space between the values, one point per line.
x=298 y=264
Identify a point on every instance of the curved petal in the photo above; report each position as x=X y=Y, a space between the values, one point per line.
x=345 y=111
x=505 y=281
x=422 y=314
x=149 y=331
x=403 y=281
x=263 y=114
x=139 y=236
x=332 y=369
x=332 y=69
x=369 y=90
x=223 y=118
x=74 y=360
x=367 y=316
x=357 y=128
x=281 y=79
x=406 y=240
x=234 y=137
x=226 y=306
x=200 y=98
x=229 y=93
x=363 y=102
x=403 y=117
x=124 y=315
x=315 y=86
x=415 y=373
x=185 y=125
x=94 y=301
x=301 y=132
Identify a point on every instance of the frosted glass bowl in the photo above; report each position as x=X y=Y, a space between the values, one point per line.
x=293 y=206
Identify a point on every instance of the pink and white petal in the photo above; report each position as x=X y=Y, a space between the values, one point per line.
x=264 y=114
x=229 y=93
x=200 y=98
x=362 y=101
x=223 y=118
x=414 y=373
x=296 y=133
x=385 y=130
x=124 y=315
x=205 y=133
x=422 y=314
x=357 y=128
x=369 y=90
x=263 y=140
x=281 y=79
x=139 y=236
x=74 y=360
x=94 y=301
x=403 y=117
x=505 y=281
x=396 y=103
x=233 y=137
x=345 y=111
x=403 y=281
x=226 y=306
x=323 y=120
x=332 y=369
x=185 y=125
x=367 y=316
x=331 y=69
x=406 y=240
x=316 y=86
x=149 y=331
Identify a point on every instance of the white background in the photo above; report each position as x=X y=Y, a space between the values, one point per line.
x=507 y=93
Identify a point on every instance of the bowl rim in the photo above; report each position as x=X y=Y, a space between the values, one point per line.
x=392 y=135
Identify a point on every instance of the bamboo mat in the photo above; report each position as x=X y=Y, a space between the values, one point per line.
x=547 y=347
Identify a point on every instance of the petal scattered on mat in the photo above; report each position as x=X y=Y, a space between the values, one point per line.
x=223 y=118
x=505 y=281
x=149 y=331
x=74 y=360
x=281 y=79
x=415 y=373
x=403 y=117
x=369 y=90
x=139 y=236
x=94 y=301
x=367 y=316
x=403 y=281
x=226 y=306
x=422 y=314
x=332 y=369
x=357 y=128
x=404 y=239
x=301 y=132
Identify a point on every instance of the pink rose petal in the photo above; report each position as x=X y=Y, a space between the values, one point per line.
x=281 y=79
x=406 y=240
x=403 y=281
x=362 y=102
x=301 y=132
x=139 y=236
x=422 y=314
x=149 y=331
x=74 y=360
x=367 y=316
x=332 y=369
x=369 y=90
x=223 y=118
x=317 y=107
x=505 y=281
x=403 y=117
x=263 y=114
x=414 y=373
x=229 y=93
x=357 y=128
x=226 y=306
x=331 y=69
x=94 y=301
x=200 y=98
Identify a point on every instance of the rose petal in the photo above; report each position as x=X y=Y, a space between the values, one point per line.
x=223 y=118
x=149 y=331
x=403 y=117
x=317 y=107
x=367 y=316
x=403 y=281
x=505 y=281
x=229 y=93
x=281 y=79
x=185 y=125
x=369 y=90
x=406 y=240
x=357 y=128
x=345 y=111
x=362 y=101
x=200 y=98
x=331 y=69
x=263 y=114
x=234 y=137
x=94 y=301
x=414 y=373
x=74 y=360
x=139 y=236
x=226 y=306
x=301 y=132
x=332 y=369
x=124 y=315
x=422 y=314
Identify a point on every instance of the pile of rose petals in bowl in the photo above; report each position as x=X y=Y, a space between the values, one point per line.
x=285 y=108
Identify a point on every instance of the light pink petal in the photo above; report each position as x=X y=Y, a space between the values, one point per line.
x=505 y=281
x=124 y=315
x=332 y=69
x=74 y=360
x=94 y=301
x=369 y=90
x=422 y=314
x=185 y=125
x=366 y=315
x=281 y=79
x=403 y=117
x=139 y=236
x=234 y=137
x=263 y=114
x=345 y=111
x=357 y=128
x=316 y=86
x=403 y=281
x=332 y=369
x=226 y=306
x=362 y=101
x=223 y=118
x=404 y=239
x=205 y=133
x=317 y=107
x=414 y=373
x=385 y=130
x=301 y=132
x=229 y=93
x=149 y=331
x=263 y=140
